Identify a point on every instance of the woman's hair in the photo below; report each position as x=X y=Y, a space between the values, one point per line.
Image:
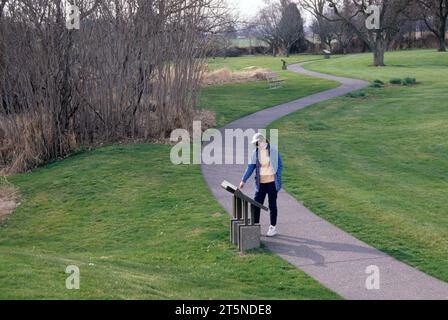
x=266 y=139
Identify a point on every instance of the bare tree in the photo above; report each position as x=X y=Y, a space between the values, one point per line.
x=343 y=32
x=131 y=72
x=2 y=7
x=321 y=26
x=280 y=25
x=344 y=35
x=391 y=16
x=222 y=40
x=325 y=30
x=267 y=25
x=435 y=14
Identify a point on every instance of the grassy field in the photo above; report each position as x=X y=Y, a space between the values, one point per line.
x=138 y=227
x=377 y=165
x=233 y=101
x=135 y=226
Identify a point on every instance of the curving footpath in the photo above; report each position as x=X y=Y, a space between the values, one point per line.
x=331 y=256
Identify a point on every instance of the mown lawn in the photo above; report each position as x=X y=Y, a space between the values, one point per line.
x=138 y=227
x=377 y=166
x=233 y=101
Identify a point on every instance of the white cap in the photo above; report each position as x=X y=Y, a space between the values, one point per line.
x=258 y=138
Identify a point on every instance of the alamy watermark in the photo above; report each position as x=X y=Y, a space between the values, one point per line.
x=74 y=278
x=373 y=280
x=72 y=16
x=373 y=21
x=213 y=146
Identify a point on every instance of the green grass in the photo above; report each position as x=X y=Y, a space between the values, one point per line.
x=376 y=164
x=138 y=227
x=233 y=101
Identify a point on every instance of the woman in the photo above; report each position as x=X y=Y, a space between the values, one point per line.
x=267 y=164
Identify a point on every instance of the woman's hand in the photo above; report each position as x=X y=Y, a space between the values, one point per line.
x=242 y=184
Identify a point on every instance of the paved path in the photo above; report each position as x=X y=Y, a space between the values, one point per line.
x=325 y=252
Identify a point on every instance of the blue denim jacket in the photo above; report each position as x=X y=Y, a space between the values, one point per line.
x=254 y=165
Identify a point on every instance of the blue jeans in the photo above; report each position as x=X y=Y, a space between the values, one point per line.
x=270 y=190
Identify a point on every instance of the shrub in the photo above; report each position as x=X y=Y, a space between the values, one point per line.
x=52 y=102
x=409 y=81
x=396 y=81
x=358 y=94
x=225 y=76
x=28 y=140
x=376 y=85
x=378 y=82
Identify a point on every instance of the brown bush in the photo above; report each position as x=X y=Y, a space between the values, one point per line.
x=226 y=76
x=27 y=141
x=132 y=71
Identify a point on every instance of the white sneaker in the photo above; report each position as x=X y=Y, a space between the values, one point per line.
x=272 y=231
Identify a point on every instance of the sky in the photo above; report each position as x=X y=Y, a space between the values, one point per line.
x=247 y=8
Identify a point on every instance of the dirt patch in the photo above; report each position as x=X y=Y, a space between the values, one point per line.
x=226 y=76
x=8 y=201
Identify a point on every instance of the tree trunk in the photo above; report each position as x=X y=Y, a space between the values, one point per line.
x=442 y=32
x=378 y=53
x=378 y=58
x=442 y=45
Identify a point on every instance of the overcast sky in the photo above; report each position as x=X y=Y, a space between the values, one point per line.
x=247 y=8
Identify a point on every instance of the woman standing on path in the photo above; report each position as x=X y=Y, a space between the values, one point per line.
x=267 y=164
